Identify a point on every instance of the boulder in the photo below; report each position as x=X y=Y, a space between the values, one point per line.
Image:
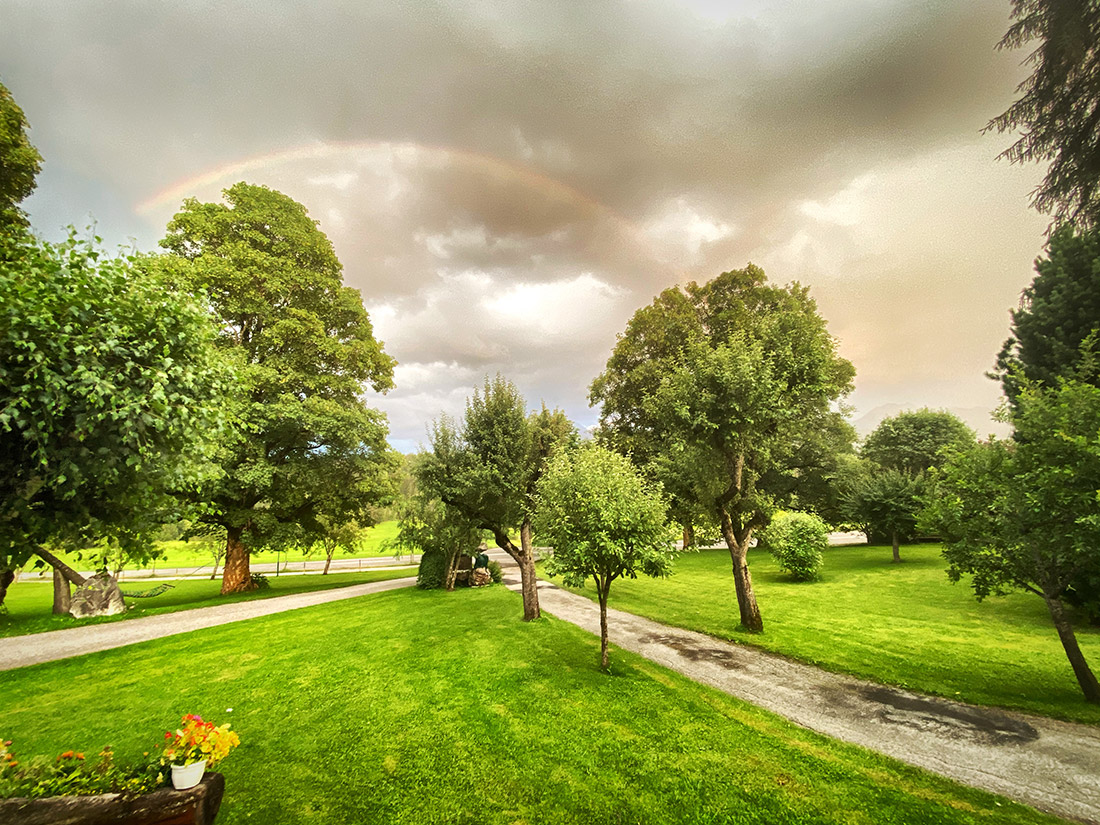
x=98 y=596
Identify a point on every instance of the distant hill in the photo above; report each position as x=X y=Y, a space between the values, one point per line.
x=978 y=419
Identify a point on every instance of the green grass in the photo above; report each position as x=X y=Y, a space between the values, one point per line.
x=427 y=707
x=194 y=553
x=29 y=603
x=901 y=624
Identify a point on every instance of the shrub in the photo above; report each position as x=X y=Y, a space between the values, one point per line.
x=260 y=582
x=432 y=573
x=797 y=541
x=495 y=572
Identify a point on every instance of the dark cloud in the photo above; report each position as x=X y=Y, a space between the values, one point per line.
x=608 y=148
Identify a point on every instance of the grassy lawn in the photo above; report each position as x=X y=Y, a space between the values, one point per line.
x=194 y=554
x=899 y=624
x=29 y=603
x=426 y=707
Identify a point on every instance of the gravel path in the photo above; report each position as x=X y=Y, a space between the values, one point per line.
x=20 y=651
x=1050 y=765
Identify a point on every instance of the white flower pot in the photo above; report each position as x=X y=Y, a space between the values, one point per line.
x=188 y=776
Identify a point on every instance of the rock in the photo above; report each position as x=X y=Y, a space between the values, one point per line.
x=480 y=577
x=98 y=596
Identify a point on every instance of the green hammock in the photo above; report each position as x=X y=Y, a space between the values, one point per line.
x=147 y=594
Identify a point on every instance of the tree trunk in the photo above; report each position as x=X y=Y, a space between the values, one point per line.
x=236 y=576
x=689 y=534
x=214 y=575
x=6 y=578
x=897 y=553
x=1085 y=677
x=602 y=593
x=452 y=573
x=62 y=596
x=742 y=579
x=328 y=561
x=71 y=575
x=527 y=577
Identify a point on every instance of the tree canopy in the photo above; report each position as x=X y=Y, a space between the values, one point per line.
x=604 y=522
x=20 y=163
x=1055 y=326
x=725 y=388
x=1024 y=514
x=110 y=389
x=1058 y=111
x=306 y=444
x=916 y=440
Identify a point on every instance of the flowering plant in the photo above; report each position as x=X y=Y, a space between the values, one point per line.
x=196 y=740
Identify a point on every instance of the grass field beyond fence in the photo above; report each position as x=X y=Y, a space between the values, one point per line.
x=427 y=707
x=902 y=624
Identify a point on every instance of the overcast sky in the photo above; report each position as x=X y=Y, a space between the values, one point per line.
x=506 y=183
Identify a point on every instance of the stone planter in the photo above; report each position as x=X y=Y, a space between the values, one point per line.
x=195 y=806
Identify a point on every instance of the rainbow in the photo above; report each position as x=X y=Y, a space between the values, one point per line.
x=489 y=165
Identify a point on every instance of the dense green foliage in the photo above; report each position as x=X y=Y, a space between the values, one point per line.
x=1025 y=514
x=487 y=466
x=904 y=625
x=1054 y=327
x=885 y=505
x=1058 y=109
x=723 y=391
x=915 y=441
x=604 y=521
x=797 y=541
x=20 y=164
x=110 y=392
x=29 y=602
x=306 y=446
x=73 y=774
x=411 y=705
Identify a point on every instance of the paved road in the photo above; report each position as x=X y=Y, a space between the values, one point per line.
x=20 y=651
x=1050 y=765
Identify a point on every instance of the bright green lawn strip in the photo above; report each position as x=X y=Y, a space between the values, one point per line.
x=898 y=624
x=29 y=603
x=426 y=707
x=194 y=554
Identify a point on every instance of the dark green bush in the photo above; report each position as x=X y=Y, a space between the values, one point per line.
x=495 y=572
x=798 y=541
x=432 y=573
x=260 y=582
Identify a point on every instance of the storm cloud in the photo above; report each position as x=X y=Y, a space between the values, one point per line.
x=507 y=182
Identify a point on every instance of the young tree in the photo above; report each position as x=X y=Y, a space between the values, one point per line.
x=886 y=503
x=1024 y=514
x=604 y=521
x=110 y=392
x=306 y=444
x=1058 y=111
x=732 y=381
x=1059 y=314
x=488 y=467
x=914 y=441
x=20 y=164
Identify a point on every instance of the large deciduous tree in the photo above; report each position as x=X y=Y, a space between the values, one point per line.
x=110 y=389
x=306 y=444
x=487 y=467
x=19 y=164
x=1059 y=314
x=1058 y=111
x=1024 y=513
x=604 y=521
x=914 y=441
x=731 y=383
x=886 y=504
